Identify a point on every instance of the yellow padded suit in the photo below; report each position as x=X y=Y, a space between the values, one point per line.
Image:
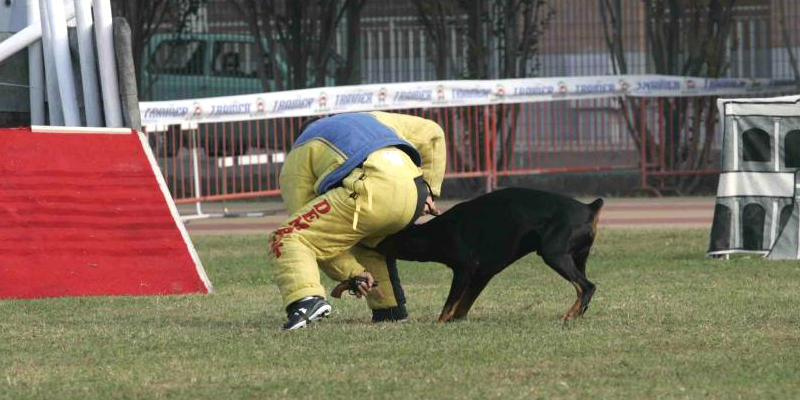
x=373 y=200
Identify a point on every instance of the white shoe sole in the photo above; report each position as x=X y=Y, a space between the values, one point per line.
x=321 y=313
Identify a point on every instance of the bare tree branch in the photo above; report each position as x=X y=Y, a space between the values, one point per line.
x=787 y=42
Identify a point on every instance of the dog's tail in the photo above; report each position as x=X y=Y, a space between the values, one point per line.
x=595 y=207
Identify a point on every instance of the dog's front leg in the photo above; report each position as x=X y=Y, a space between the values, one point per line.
x=461 y=280
x=473 y=290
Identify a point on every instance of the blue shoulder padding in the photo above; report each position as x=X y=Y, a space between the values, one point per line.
x=355 y=136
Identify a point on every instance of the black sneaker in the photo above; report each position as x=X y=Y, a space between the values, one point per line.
x=306 y=310
x=392 y=314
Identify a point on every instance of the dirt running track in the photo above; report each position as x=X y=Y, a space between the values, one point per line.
x=674 y=212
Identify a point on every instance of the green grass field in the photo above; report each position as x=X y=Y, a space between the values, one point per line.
x=665 y=323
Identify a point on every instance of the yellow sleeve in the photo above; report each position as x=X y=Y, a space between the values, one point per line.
x=427 y=137
x=297 y=180
x=304 y=168
x=341 y=267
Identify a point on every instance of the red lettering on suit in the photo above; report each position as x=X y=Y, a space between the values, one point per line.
x=310 y=216
x=323 y=207
x=298 y=224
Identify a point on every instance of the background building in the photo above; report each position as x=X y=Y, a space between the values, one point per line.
x=568 y=38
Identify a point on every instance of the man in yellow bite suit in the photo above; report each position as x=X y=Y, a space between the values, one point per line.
x=349 y=181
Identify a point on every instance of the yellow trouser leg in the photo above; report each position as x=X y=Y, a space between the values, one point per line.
x=323 y=228
x=296 y=271
x=319 y=230
x=375 y=263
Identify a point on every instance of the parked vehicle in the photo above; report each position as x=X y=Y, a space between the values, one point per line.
x=197 y=65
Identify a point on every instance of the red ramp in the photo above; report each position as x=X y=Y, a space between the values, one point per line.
x=85 y=212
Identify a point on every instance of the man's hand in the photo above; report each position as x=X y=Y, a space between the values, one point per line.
x=430 y=207
x=359 y=286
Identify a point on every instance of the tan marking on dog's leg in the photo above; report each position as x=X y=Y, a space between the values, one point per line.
x=578 y=303
x=453 y=310
x=459 y=313
x=574 y=311
x=447 y=314
x=463 y=305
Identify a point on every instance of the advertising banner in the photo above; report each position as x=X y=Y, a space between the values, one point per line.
x=330 y=100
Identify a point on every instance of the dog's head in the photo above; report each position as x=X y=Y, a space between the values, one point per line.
x=406 y=244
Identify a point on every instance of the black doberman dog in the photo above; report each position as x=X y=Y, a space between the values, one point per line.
x=479 y=238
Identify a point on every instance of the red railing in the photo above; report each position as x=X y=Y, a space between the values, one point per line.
x=235 y=160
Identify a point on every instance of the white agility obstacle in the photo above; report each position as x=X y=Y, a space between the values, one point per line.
x=757 y=209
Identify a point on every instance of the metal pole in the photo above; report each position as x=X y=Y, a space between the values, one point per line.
x=196 y=168
x=104 y=37
x=53 y=97
x=91 y=90
x=60 y=42
x=20 y=40
x=494 y=146
x=35 y=67
x=487 y=149
x=643 y=141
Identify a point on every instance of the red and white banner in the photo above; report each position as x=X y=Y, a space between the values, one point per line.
x=327 y=100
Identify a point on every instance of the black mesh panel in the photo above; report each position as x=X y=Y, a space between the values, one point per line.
x=753 y=227
x=791 y=149
x=755 y=145
x=721 y=229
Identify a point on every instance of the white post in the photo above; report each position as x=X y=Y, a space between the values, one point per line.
x=198 y=189
x=53 y=96
x=27 y=36
x=57 y=21
x=13 y=44
x=35 y=67
x=19 y=41
x=104 y=37
x=91 y=91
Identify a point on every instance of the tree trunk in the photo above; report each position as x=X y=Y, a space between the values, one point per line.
x=610 y=14
x=433 y=15
x=476 y=45
x=250 y=12
x=351 y=73
x=787 y=42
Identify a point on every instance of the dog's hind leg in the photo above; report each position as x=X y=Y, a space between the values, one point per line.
x=586 y=293
x=565 y=266
x=580 y=257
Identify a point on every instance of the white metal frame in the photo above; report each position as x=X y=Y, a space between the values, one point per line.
x=50 y=64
